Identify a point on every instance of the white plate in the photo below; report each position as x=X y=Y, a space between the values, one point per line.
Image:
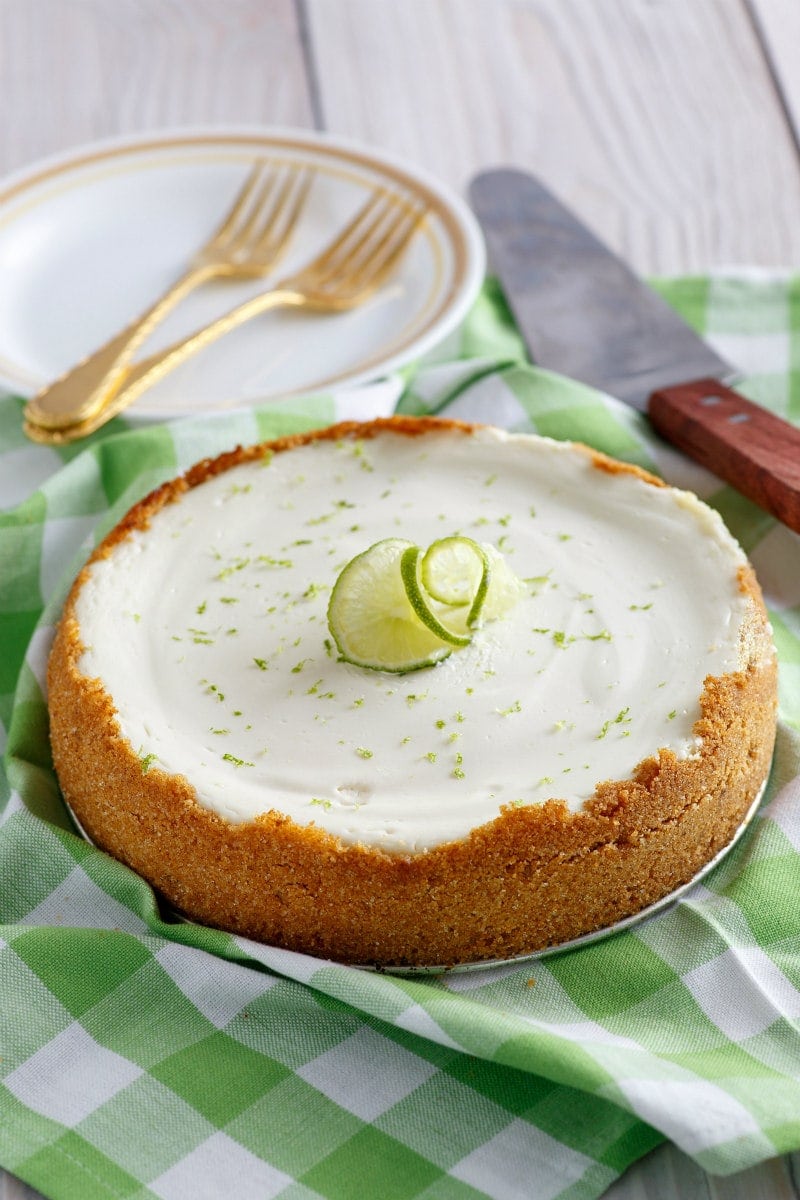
x=88 y=240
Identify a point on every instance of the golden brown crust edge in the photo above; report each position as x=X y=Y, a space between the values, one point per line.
x=534 y=877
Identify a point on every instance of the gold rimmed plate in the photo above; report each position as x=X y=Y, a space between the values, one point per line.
x=90 y=239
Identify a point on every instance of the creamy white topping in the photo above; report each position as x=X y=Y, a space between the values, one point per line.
x=208 y=630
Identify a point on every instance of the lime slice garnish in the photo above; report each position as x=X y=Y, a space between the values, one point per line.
x=504 y=588
x=456 y=572
x=394 y=608
x=452 y=569
x=371 y=619
x=422 y=605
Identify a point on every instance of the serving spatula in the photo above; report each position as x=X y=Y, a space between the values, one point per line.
x=584 y=313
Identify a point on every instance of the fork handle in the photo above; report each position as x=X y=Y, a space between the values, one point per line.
x=143 y=375
x=81 y=392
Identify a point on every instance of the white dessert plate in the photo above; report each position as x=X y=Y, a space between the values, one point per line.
x=89 y=240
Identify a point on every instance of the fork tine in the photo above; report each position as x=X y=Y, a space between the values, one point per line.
x=342 y=245
x=240 y=228
x=241 y=204
x=363 y=238
x=277 y=222
x=396 y=227
x=391 y=227
x=379 y=259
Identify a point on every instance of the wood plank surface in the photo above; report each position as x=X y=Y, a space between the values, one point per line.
x=657 y=121
x=76 y=70
x=15 y=1189
x=670 y=125
x=667 y=1174
x=777 y=27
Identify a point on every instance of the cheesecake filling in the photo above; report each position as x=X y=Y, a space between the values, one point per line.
x=208 y=631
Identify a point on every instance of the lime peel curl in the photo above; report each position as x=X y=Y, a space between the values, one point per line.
x=394 y=608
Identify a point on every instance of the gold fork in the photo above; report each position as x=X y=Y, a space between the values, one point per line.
x=343 y=276
x=248 y=243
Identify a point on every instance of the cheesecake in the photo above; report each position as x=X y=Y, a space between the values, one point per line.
x=585 y=754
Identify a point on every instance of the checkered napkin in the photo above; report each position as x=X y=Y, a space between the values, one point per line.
x=141 y=1057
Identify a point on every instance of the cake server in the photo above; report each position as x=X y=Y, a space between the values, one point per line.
x=584 y=313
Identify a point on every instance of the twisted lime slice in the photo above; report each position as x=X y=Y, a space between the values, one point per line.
x=455 y=571
x=504 y=589
x=394 y=608
x=371 y=619
x=423 y=607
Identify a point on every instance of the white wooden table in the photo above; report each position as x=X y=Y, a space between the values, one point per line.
x=671 y=126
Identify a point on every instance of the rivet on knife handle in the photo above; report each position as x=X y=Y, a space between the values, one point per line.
x=741 y=442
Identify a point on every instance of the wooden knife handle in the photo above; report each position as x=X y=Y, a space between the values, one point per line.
x=745 y=444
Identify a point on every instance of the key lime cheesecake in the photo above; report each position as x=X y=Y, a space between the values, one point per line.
x=414 y=692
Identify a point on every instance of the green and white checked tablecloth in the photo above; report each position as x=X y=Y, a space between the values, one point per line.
x=143 y=1058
